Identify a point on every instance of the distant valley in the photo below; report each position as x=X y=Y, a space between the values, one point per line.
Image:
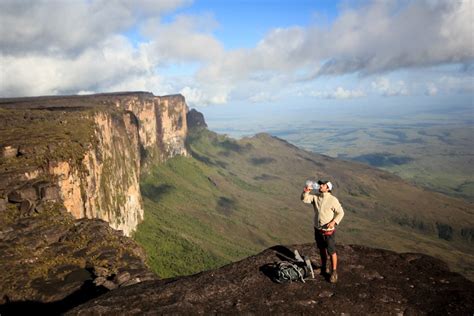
x=432 y=148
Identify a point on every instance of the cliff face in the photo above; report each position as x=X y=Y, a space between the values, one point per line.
x=106 y=142
x=105 y=185
x=162 y=125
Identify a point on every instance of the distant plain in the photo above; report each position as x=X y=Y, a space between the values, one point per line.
x=432 y=147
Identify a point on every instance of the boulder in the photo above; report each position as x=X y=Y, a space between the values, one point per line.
x=101 y=272
x=77 y=275
x=40 y=185
x=25 y=193
x=50 y=193
x=99 y=281
x=109 y=285
x=131 y=282
x=9 y=151
x=24 y=150
x=3 y=205
x=26 y=206
x=122 y=277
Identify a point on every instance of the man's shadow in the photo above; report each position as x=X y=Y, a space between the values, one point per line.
x=283 y=253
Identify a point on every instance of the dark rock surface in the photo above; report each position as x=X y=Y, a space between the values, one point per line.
x=371 y=281
x=195 y=119
x=51 y=262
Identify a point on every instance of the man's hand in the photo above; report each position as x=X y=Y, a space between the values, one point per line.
x=331 y=224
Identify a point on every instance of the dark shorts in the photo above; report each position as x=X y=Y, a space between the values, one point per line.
x=325 y=242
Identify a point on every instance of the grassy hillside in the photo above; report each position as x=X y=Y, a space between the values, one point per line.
x=235 y=198
x=435 y=157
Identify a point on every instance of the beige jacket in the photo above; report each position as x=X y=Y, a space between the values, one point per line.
x=326 y=208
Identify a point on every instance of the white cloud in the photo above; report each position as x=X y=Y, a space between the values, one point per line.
x=379 y=37
x=203 y=96
x=338 y=93
x=457 y=84
x=431 y=89
x=113 y=62
x=262 y=96
x=387 y=88
x=85 y=92
x=70 y=27
x=89 y=56
x=57 y=47
x=186 y=39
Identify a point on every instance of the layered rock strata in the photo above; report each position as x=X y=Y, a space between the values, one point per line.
x=50 y=261
x=106 y=141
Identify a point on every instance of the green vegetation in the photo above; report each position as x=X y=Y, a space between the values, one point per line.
x=437 y=157
x=232 y=199
x=178 y=232
x=42 y=135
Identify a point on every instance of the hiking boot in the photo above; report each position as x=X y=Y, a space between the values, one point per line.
x=333 y=278
x=327 y=268
x=309 y=266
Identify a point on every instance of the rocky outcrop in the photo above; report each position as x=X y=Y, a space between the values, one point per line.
x=196 y=119
x=371 y=281
x=52 y=261
x=107 y=141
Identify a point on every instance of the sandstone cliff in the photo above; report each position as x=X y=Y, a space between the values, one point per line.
x=87 y=151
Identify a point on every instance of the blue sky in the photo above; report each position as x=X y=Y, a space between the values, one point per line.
x=242 y=56
x=243 y=23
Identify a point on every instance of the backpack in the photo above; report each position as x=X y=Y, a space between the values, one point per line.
x=289 y=272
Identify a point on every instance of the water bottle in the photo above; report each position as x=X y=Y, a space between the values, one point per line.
x=313 y=185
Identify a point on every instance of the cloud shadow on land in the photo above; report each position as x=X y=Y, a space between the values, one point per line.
x=261 y=161
x=208 y=161
x=230 y=145
x=266 y=177
x=226 y=206
x=383 y=159
x=155 y=192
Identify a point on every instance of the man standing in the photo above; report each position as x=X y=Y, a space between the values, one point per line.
x=328 y=213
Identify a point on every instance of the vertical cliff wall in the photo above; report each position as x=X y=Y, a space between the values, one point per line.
x=107 y=141
x=162 y=125
x=105 y=184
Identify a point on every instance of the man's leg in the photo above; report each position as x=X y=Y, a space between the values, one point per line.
x=325 y=261
x=324 y=256
x=321 y=245
x=331 y=241
x=334 y=261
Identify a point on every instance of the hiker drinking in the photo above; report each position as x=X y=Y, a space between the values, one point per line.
x=328 y=213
